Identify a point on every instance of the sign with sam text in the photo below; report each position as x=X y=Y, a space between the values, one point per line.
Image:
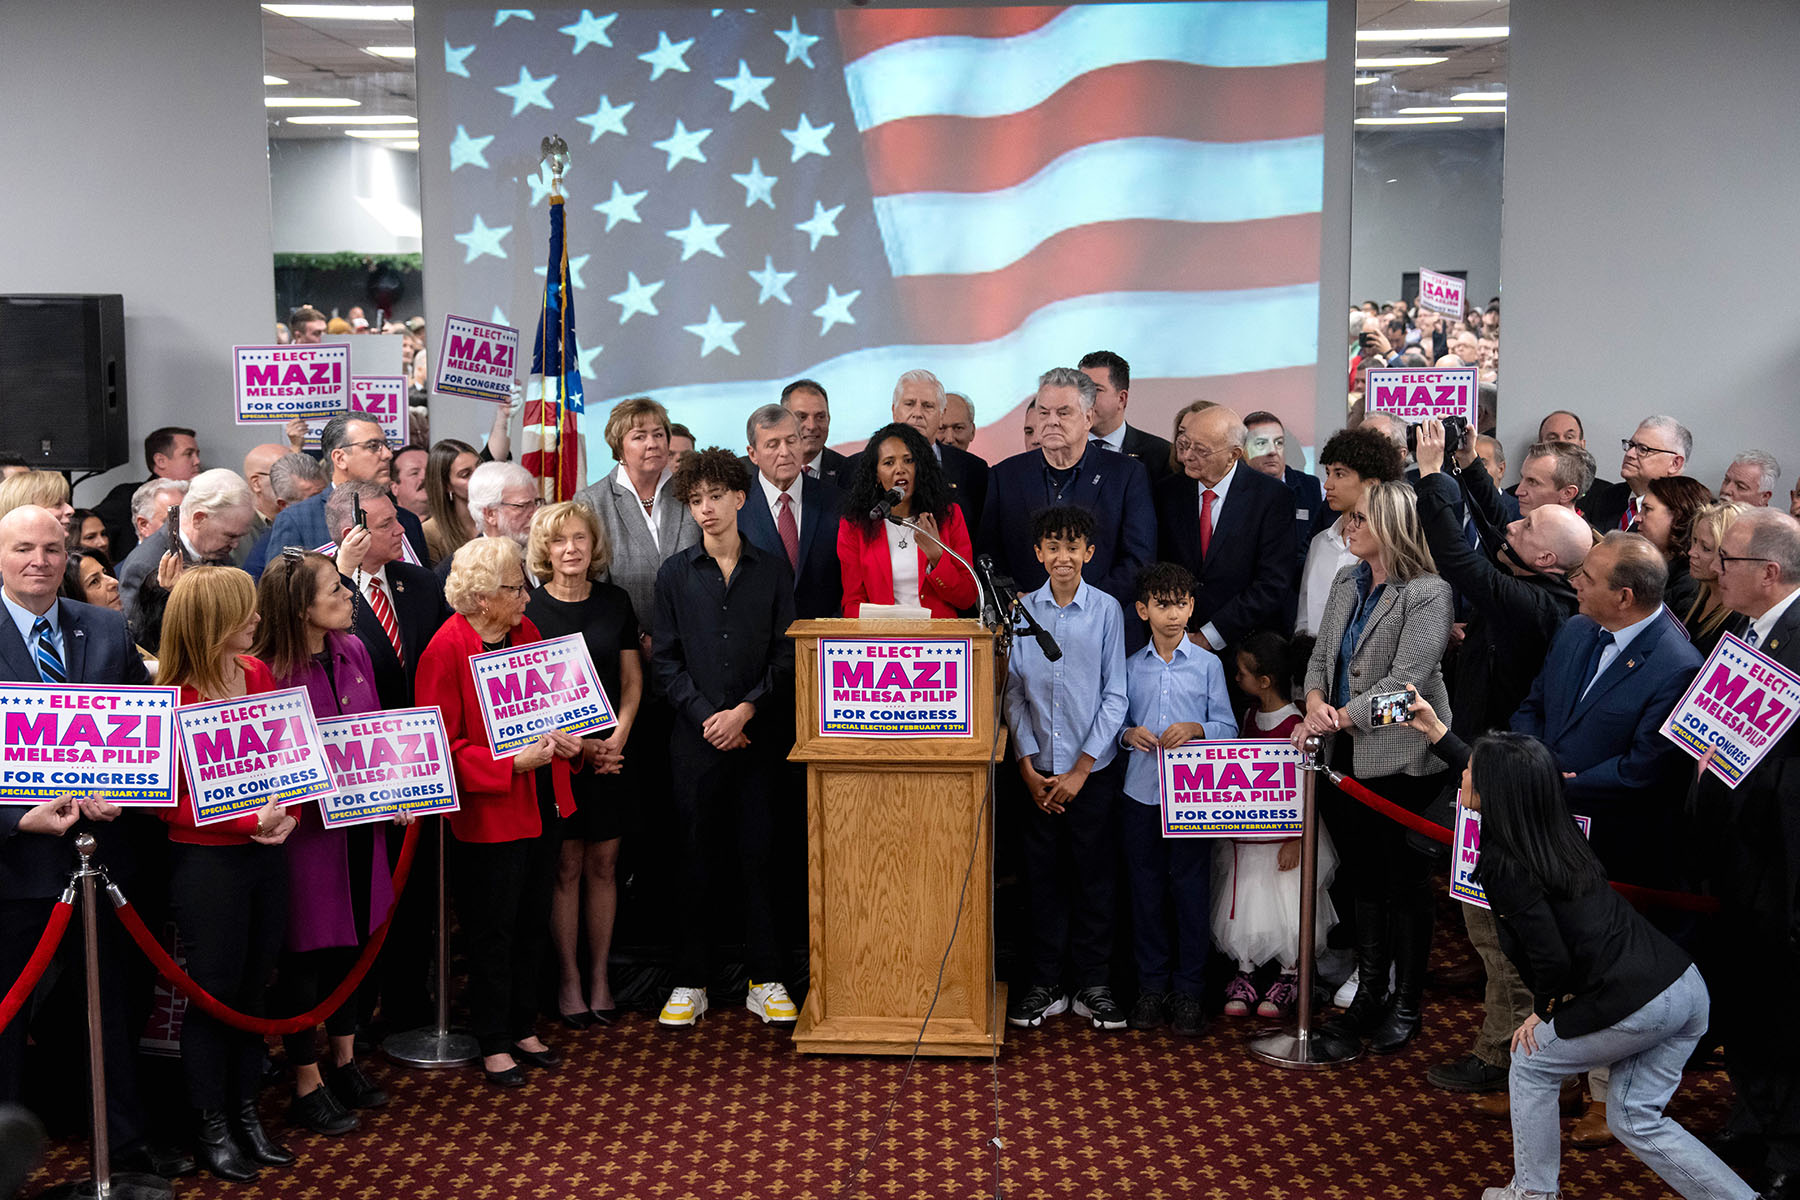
x=1465 y=852
x=1415 y=393
x=387 y=763
x=1237 y=788
x=277 y=383
x=1442 y=293
x=476 y=359
x=526 y=691
x=117 y=742
x=1740 y=704
x=894 y=687
x=241 y=753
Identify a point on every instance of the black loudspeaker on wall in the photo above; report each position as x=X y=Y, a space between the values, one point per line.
x=62 y=381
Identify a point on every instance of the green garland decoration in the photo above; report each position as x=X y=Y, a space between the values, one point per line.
x=348 y=260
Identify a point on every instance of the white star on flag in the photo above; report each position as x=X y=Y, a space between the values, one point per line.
x=608 y=118
x=528 y=92
x=746 y=88
x=576 y=262
x=481 y=239
x=835 y=310
x=715 y=333
x=772 y=282
x=502 y=15
x=822 y=224
x=589 y=31
x=468 y=151
x=636 y=298
x=799 y=45
x=453 y=59
x=585 y=360
x=807 y=138
x=621 y=206
x=666 y=57
x=757 y=186
x=684 y=143
x=698 y=236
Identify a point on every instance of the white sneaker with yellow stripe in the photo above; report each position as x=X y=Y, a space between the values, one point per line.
x=685 y=1006
x=770 y=1001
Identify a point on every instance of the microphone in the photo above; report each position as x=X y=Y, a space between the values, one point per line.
x=1002 y=586
x=886 y=504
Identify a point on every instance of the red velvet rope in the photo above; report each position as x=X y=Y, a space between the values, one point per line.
x=37 y=963
x=1641 y=897
x=218 y=1010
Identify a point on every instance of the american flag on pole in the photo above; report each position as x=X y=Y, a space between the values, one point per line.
x=548 y=446
x=847 y=194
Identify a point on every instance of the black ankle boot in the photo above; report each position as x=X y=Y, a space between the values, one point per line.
x=1373 y=955
x=247 y=1127
x=218 y=1153
x=1412 y=946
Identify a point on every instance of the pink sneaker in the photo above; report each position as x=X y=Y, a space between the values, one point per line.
x=1281 y=997
x=1240 y=994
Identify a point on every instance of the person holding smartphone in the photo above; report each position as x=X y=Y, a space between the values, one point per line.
x=1385 y=625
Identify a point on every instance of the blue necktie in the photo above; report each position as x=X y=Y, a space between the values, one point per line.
x=1750 y=638
x=50 y=667
x=1593 y=663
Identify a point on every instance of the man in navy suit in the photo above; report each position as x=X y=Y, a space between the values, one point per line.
x=1614 y=673
x=1232 y=526
x=1266 y=451
x=372 y=563
x=789 y=514
x=806 y=399
x=43 y=638
x=919 y=402
x=1112 y=392
x=1067 y=469
x=357 y=449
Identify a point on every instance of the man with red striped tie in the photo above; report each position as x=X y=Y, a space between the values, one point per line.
x=400 y=605
x=1660 y=446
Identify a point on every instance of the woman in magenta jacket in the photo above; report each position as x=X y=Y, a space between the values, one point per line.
x=885 y=563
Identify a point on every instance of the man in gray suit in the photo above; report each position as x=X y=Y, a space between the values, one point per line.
x=215 y=516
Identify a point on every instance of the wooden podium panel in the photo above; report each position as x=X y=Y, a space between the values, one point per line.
x=891 y=823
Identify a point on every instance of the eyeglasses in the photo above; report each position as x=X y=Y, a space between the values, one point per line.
x=531 y=505
x=1354 y=520
x=373 y=445
x=517 y=589
x=1183 y=445
x=1725 y=560
x=1629 y=446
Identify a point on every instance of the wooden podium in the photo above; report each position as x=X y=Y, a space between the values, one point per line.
x=889 y=827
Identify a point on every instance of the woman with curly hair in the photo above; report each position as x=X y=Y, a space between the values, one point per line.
x=884 y=562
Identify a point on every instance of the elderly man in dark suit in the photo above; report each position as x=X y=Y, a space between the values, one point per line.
x=399 y=605
x=1658 y=447
x=788 y=514
x=1066 y=469
x=356 y=448
x=45 y=639
x=1232 y=526
x=806 y=399
x=216 y=515
x=919 y=402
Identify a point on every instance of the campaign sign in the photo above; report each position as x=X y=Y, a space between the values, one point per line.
x=1465 y=852
x=329 y=550
x=382 y=397
x=476 y=359
x=1441 y=293
x=241 y=753
x=1230 y=788
x=1737 y=707
x=61 y=738
x=276 y=383
x=894 y=687
x=1415 y=393
x=387 y=763
x=526 y=691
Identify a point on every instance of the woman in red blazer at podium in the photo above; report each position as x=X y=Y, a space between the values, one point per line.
x=885 y=563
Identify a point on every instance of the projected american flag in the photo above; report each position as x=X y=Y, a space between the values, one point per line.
x=847 y=194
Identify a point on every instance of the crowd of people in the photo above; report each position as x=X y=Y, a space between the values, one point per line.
x=1199 y=587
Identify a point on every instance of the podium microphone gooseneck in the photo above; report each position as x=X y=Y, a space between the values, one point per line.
x=990 y=615
x=1003 y=586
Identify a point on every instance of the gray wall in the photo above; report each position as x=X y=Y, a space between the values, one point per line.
x=1652 y=171
x=318 y=185
x=134 y=145
x=1425 y=198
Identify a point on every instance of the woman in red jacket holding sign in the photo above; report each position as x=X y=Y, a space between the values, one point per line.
x=228 y=887
x=506 y=833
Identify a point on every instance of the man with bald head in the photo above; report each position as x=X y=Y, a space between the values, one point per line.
x=262 y=496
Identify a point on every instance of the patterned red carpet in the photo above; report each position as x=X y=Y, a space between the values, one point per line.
x=729 y=1110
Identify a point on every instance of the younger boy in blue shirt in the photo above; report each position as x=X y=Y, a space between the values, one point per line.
x=1176 y=694
x=1065 y=718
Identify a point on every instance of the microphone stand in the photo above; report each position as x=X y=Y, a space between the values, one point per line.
x=990 y=600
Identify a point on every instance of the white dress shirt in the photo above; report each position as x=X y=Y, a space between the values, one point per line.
x=1113 y=441
x=773 y=495
x=1621 y=639
x=1328 y=554
x=24 y=618
x=1209 y=631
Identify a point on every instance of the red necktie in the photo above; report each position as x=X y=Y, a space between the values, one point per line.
x=789 y=530
x=1206 y=521
x=1630 y=513
x=384 y=612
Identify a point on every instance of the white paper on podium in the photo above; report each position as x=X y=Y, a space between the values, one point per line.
x=894 y=612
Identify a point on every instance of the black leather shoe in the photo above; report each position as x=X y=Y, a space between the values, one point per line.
x=577 y=1020
x=512 y=1077
x=247 y=1129
x=218 y=1151
x=546 y=1059
x=1467 y=1074
x=320 y=1111
x=352 y=1088
x=604 y=1016
x=153 y=1158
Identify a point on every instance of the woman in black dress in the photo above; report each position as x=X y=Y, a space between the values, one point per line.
x=569 y=551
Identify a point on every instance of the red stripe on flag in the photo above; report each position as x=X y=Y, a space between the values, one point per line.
x=1139 y=256
x=861 y=32
x=1146 y=99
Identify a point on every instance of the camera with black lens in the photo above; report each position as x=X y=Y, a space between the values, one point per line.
x=1456 y=435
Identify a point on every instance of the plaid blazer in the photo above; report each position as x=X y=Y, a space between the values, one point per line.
x=1403 y=642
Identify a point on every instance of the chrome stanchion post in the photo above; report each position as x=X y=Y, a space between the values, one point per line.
x=1305 y=1046
x=436 y=1046
x=104 y=1184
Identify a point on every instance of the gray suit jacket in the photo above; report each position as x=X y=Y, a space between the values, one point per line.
x=1403 y=642
x=635 y=556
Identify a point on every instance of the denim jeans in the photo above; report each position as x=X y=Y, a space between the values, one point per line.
x=1647 y=1051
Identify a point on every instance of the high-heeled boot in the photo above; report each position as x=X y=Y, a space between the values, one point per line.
x=1373 y=956
x=218 y=1152
x=247 y=1127
x=1412 y=920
